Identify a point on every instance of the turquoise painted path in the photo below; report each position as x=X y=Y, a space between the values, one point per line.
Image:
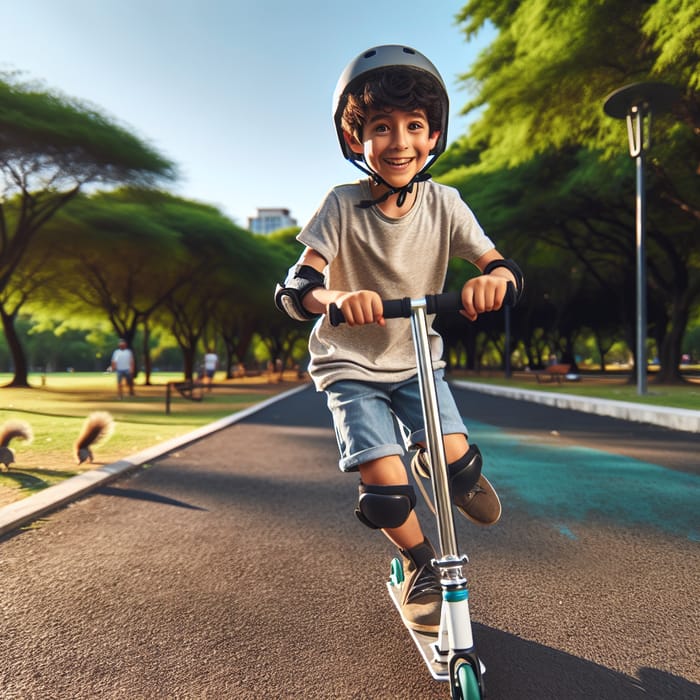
x=570 y=485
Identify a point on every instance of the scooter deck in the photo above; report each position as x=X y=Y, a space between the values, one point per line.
x=425 y=642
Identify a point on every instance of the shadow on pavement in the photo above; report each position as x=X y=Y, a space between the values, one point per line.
x=145 y=496
x=518 y=668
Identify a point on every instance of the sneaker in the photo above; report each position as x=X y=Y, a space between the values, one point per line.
x=421 y=593
x=479 y=502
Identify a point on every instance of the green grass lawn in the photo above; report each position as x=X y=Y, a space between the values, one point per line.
x=57 y=408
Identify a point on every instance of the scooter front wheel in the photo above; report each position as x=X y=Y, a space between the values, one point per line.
x=467 y=685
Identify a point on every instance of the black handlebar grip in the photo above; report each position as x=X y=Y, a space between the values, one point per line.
x=397 y=308
x=449 y=302
x=443 y=303
x=393 y=308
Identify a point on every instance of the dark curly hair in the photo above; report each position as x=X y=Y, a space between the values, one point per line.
x=392 y=88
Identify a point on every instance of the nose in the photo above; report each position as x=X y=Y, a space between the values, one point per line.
x=400 y=140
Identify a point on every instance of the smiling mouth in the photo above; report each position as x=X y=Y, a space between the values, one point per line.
x=398 y=162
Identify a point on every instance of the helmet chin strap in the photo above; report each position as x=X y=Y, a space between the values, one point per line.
x=403 y=192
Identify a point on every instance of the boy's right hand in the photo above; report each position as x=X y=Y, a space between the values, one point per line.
x=361 y=307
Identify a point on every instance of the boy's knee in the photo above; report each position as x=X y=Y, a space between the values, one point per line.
x=385 y=506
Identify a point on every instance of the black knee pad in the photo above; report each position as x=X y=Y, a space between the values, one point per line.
x=379 y=507
x=465 y=472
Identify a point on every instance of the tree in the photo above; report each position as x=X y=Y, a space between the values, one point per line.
x=114 y=258
x=238 y=319
x=223 y=268
x=51 y=146
x=541 y=86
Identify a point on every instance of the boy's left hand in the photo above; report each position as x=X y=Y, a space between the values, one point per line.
x=482 y=294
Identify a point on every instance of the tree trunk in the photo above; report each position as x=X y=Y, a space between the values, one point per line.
x=231 y=363
x=188 y=357
x=19 y=359
x=469 y=342
x=670 y=350
x=147 y=364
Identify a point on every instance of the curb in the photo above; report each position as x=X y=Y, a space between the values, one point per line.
x=33 y=507
x=684 y=420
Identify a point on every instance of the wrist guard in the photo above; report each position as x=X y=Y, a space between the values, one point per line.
x=513 y=268
x=289 y=296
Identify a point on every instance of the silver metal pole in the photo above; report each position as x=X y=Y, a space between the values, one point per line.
x=641 y=280
x=434 y=443
x=635 y=131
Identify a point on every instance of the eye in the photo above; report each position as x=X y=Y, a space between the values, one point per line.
x=416 y=126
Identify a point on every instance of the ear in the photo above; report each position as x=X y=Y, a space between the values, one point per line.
x=353 y=144
x=434 y=139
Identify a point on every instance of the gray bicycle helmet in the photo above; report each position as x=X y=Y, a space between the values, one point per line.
x=375 y=59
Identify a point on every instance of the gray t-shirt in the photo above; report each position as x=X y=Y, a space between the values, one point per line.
x=405 y=257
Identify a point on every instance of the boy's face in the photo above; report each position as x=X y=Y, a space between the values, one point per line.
x=395 y=144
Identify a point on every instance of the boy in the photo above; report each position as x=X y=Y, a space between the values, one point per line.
x=390 y=236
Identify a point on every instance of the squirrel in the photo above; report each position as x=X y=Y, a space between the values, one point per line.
x=13 y=429
x=98 y=427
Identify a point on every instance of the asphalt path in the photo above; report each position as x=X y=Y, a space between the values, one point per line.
x=234 y=568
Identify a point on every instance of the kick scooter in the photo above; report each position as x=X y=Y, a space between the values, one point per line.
x=451 y=656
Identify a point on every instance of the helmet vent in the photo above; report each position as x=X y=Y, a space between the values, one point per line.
x=406 y=49
x=369 y=54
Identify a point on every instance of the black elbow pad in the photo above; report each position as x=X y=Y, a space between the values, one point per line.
x=289 y=296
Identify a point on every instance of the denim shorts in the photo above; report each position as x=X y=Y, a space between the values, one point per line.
x=378 y=419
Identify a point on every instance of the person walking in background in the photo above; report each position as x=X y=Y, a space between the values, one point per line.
x=123 y=364
x=211 y=362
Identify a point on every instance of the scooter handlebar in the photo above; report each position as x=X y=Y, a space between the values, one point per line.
x=447 y=302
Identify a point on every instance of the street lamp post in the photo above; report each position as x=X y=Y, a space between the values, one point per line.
x=635 y=104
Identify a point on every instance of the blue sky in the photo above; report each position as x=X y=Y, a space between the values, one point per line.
x=237 y=94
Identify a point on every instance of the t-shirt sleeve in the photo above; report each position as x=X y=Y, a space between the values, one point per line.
x=468 y=240
x=321 y=233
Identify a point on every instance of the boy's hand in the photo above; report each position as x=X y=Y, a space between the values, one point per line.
x=481 y=294
x=361 y=307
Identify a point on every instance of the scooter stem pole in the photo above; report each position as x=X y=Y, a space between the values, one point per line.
x=434 y=443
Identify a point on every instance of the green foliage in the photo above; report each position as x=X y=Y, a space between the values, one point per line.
x=50 y=147
x=545 y=169
x=674 y=27
x=543 y=79
x=74 y=138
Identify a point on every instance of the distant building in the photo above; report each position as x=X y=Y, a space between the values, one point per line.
x=269 y=220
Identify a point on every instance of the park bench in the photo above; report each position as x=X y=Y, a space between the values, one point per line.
x=188 y=390
x=556 y=373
